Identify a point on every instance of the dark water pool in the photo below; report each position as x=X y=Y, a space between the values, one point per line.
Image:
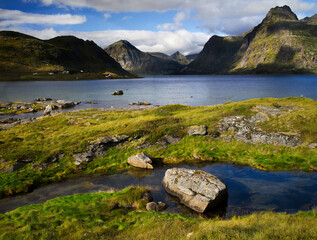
x=250 y=190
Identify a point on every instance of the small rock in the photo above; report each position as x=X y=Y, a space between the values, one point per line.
x=158 y=207
x=48 y=110
x=64 y=104
x=142 y=160
x=161 y=206
x=43 y=99
x=171 y=140
x=151 y=206
x=312 y=145
x=82 y=157
x=196 y=156
x=147 y=196
x=13 y=168
x=119 y=92
x=197 y=130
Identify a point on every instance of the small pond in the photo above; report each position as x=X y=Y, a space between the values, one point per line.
x=250 y=190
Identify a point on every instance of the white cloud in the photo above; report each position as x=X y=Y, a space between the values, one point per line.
x=149 y=41
x=125 y=18
x=15 y=17
x=210 y=12
x=177 y=24
x=107 y=16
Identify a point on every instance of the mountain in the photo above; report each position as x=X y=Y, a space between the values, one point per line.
x=138 y=62
x=280 y=44
x=20 y=53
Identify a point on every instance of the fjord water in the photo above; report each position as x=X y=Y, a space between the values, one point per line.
x=250 y=190
x=163 y=90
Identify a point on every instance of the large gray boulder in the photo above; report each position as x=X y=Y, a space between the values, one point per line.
x=141 y=160
x=196 y=189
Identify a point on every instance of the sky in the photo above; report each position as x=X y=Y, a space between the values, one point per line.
x=151 y=25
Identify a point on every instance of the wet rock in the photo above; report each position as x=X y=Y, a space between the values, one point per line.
x=197 y=130
x=151 y=206
x=119 y=92
x=141 y=160
x=197 y=190
x=147 y=196
x=64 y=104
x=140 y=103
x=246 y=131
x=43 y=99
x=158 y=207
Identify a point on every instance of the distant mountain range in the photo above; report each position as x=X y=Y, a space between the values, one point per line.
x=281 y=44
x=20 y=53
x=138 y=62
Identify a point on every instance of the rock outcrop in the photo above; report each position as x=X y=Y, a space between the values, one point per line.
x=98 y=147
x=245 y=129
x=141 y=160
x=196 y=189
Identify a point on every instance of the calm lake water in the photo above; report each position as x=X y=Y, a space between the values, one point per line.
x=163 y=90
x=250 y=190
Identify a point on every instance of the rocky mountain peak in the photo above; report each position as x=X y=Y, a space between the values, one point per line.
x=280 y=13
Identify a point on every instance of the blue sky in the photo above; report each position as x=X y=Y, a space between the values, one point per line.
x=151 y=25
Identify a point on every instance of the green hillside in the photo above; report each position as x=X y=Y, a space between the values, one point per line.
x=22 y=54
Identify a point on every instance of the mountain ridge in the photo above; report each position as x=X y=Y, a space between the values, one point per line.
x=134 y=60
x=280 y=44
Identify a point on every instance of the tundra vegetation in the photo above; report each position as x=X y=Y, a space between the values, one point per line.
x=42 y=152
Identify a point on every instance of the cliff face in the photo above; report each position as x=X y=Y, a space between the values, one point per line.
x=23 y=53
x=138 y=62
x=281 y=44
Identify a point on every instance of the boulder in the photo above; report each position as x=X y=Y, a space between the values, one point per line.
x=64 y=104
x=48 y=110
x=197 y=130
x=119 y=92
x=196 y=189
x=142 y=160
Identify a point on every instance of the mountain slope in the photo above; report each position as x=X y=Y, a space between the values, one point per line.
x=280 y=44
x=138 y=62
x=216 y=56
x=20 y=53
